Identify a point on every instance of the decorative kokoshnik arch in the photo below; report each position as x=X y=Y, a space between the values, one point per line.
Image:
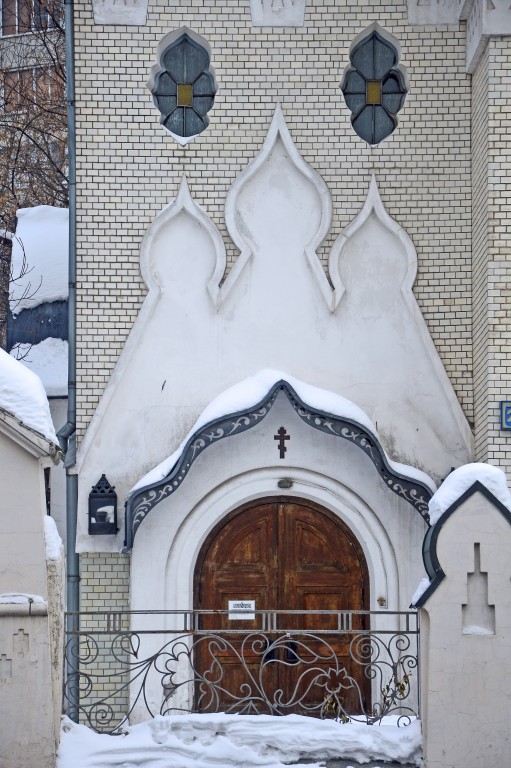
x=142 y=501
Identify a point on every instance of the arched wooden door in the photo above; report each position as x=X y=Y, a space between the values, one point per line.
x=283 y=554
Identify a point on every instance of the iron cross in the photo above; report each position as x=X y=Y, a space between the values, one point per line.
x=281 y=436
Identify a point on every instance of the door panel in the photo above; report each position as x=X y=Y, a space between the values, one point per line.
x=285 y=555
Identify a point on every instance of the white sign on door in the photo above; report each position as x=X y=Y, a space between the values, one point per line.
x=241 y=610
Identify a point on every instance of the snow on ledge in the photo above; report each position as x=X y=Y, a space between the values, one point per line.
x=423 y=586
x=461 y=479
x=19 y=598
x=258 y=741
x=22 y=394
x=251 y=391
x=53 y=542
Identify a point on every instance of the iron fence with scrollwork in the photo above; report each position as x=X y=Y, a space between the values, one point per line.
x=347 y=665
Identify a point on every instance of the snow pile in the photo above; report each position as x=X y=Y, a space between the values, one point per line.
x=53 y=542
x=22 y=394
x=251 y=741
x=423 y=585
x=40 y=251
x=48 y=360
x=461 y=479
x=19 y=598
x=249 y=392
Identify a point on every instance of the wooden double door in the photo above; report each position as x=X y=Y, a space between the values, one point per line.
x=282 y=554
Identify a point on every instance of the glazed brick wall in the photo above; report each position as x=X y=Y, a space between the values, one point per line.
x=104 y=587
x=480 y=252
x=129 y=168
x=104 y=582
x=492 y=250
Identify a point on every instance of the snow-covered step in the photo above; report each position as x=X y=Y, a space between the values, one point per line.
x=251 y=741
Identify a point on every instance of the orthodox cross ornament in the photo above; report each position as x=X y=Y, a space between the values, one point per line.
x=282 y=436
x=374 y=87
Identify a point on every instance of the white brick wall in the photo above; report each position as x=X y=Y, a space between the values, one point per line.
x=492 y=249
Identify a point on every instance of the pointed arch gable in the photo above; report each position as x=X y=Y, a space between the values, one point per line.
x=141 y=501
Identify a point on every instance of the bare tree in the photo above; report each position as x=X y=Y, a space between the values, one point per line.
x=33 y=120
x=5 y=274
x=33 y=117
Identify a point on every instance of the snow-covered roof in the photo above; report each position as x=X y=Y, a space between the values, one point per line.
x=49 y=360
x=461 y=479
x=251 y=391
x=40 y=248
x=22 y=395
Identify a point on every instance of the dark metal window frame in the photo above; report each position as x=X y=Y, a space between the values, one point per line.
x=21 y=17
x=374 y=108
x=184 y=86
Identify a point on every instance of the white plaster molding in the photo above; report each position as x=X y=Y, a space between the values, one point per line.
x=191 y=341
x=373 y=206
x=150 y=267
x=121 y=12
x=247 y=241
x=277 y=13
x=424 y=12
x=153 y=255
x=485 y=19
x=373 y=202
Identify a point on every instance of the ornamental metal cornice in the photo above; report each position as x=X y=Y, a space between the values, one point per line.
x=142 y=502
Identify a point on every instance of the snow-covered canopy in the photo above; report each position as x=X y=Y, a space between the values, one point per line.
x=22 y=394
x=49 y=360
x=251 y=391
x=230 y=741
x=461 y=479
x=40 y=250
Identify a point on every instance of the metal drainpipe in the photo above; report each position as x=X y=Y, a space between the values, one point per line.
x=67 y=433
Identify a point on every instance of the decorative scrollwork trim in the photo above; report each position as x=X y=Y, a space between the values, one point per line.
x=145 y=499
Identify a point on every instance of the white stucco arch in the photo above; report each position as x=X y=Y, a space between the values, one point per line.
x=259 y=483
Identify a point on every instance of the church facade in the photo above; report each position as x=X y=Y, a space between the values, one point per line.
x=293 y=251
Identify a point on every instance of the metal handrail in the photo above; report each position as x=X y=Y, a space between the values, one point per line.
x=116 y=670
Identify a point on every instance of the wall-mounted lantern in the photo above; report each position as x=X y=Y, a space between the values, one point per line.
x=102 y=508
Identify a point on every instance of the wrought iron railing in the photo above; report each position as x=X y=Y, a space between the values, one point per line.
x=348 y=665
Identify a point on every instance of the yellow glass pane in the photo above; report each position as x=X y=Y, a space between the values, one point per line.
x=374 y=92
x=184 y=95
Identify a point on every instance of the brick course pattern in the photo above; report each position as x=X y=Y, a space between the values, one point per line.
x=104 y=587
x=129 y=168
x=492 y=250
